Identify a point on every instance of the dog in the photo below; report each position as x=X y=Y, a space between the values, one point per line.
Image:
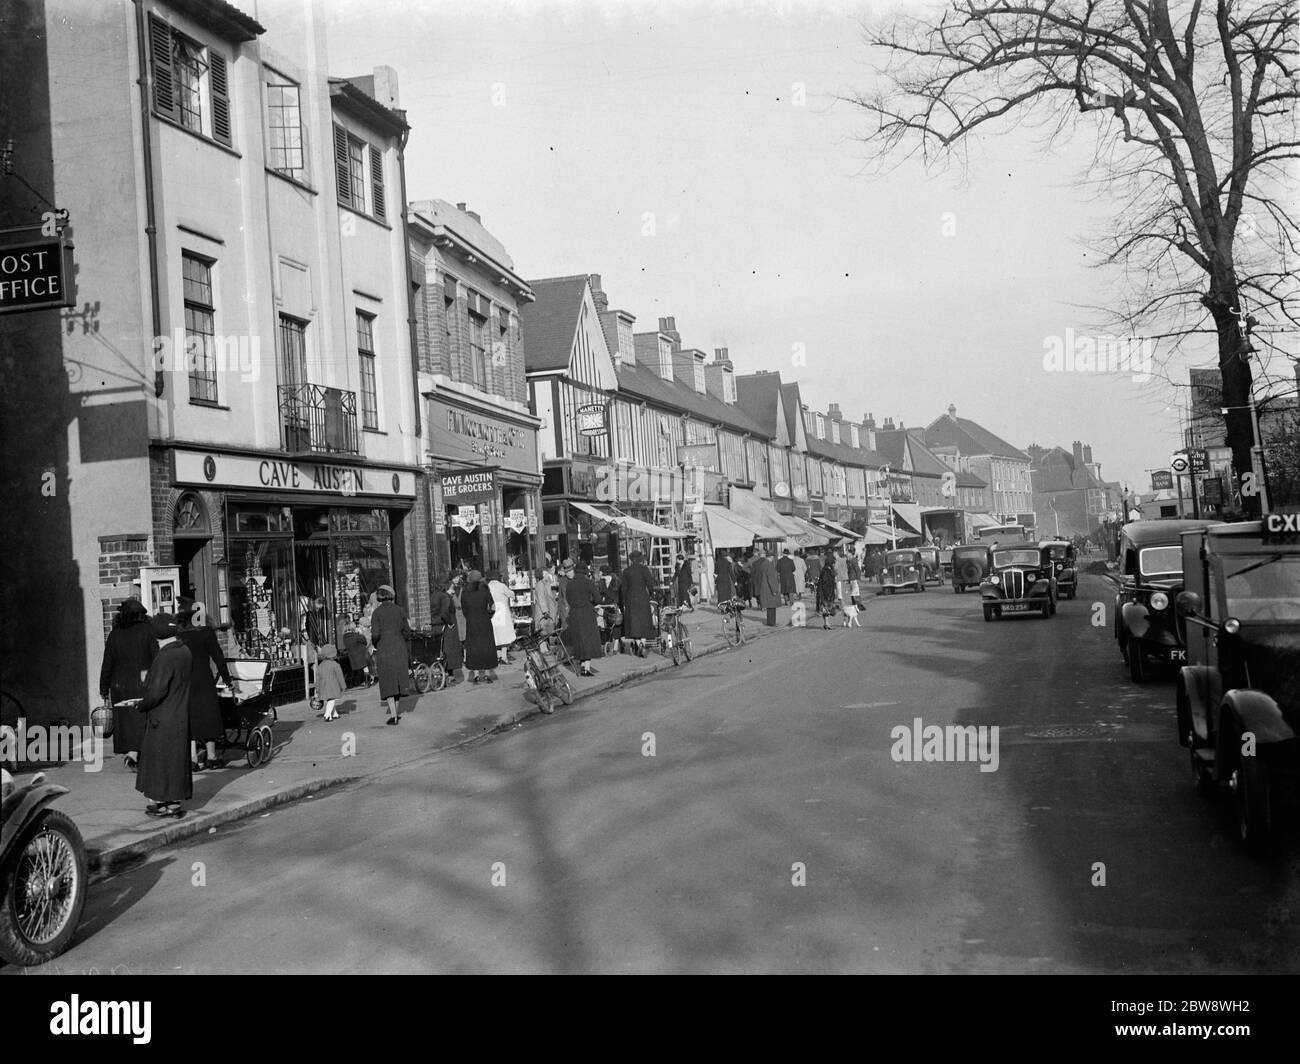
x=850 y=612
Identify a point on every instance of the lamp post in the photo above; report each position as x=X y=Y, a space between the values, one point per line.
x=1057 y=516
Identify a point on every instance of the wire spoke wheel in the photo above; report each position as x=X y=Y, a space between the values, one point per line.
x=684 y=639
x=562 y=688
x=437 y=676
x=44 y=891
x=420 y=674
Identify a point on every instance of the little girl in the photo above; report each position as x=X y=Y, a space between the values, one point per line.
x=329 y=680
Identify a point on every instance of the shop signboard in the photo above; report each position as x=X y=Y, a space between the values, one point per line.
x=459 y=434
x=466 y=517
x=468 y=485
x=36 y=274
x=212 y=469
x=1162 y=480
x=592 y=419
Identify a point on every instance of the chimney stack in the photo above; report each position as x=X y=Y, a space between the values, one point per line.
x=1087 y=454
x=1078 y=453
x=952 y=411
x=888 y=425
x=598 y=293
x=870 y=423
x=386 y=87
x=833 y=412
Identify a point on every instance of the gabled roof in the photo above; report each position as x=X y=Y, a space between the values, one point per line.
x=220 y=17
x=549 y=323
x=846 y=453
x=758 y=396
x=793 y=404
x=1056 y=470
x=969 y=438
x=642 y=382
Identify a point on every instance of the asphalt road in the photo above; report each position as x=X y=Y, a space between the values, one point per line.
x=561 y=847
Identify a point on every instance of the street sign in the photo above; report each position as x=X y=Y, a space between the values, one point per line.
x=1161 y=480
x=1200 y=459
x=1179 y=463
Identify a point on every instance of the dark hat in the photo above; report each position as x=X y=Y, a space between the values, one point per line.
x=163 y=625
x=474 y=576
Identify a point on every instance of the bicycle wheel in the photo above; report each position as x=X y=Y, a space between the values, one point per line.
x=731 y=631
x=684 y=640
x=420 y=674
x=561 y=687
x=674 y=646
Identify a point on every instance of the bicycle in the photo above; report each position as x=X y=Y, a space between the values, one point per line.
x=543 y=677
x=733 y=621
x=674 y=633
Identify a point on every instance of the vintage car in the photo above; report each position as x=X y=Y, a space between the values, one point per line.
x=945 y=566
x=971 y=563
x=930 y=559
x=1067 y=575
x=1151 y=576
x=902 y=569
x=1021 y=580
x=1238 y=698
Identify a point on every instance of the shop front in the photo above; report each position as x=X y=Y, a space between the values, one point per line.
x=287 y=551
x=485 y=490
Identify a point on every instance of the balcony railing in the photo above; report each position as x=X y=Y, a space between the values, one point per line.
x=317 y=420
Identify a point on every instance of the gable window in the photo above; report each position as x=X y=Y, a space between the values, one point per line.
x=366 y=353
x=284 y=117
x=191 y=84
x=200 y=331
x=359 y=170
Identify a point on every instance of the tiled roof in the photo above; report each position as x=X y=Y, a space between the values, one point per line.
x=793 y=409
x=643 y=383
x=1056 y=470
x=756 y=395
x=846 y=453
x=970 y=438
x=550 y=322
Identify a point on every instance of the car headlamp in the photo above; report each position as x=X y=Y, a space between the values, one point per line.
x=995 y=579
x=1232 y=626
x=1159 y=601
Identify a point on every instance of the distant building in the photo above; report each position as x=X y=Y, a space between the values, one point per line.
x=1002 y=466
x=1070 y=497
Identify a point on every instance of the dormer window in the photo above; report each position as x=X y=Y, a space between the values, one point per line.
x=835 y=431
x=855 y=436
x=698 y=369
x=728 y=386
x=665 y=360
x=820 y=422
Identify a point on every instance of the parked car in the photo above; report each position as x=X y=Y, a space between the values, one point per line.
x=1151 y=576
x=1067 y=574
x=930 y=562
x=971 y=563
x=903 y=569
x=945 y=566
x=1020 y=581
x=1238 y=697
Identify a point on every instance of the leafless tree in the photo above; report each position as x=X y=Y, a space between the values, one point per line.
x=1192 y=105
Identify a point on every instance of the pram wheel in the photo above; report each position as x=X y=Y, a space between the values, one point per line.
x=420 y=673
x=561 y=685
x=255 y=749
x=437 y=676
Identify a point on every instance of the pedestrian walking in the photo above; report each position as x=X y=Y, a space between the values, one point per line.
x=562 y=595
x=638 y=585
x=814 y=570
x=785 y=570
x=767 y=586
x=684 y=582
x=391 y=633
x=800 y=574
x=330 y=684
x=826 y=592
x=842 y=574
x=546 y=610
x=128 y=653
x=480 y=640
x=855 y=577
x=744 y=578
x=442 y=609
x=356 y=649
x=584 y=632
x=206 y=725
x=164 y=773
x=503 y=619
x=610 y=615
x=724 y=584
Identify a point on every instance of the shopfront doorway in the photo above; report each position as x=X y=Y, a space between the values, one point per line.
x=192 y=551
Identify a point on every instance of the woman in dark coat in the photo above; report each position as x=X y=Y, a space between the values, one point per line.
x=827 y=591
x=443 y=609
x=164 y=772
x=480 y=641
x=610 y=598
x=128 y=653
x=685 y=581
x=767 y=586
x=723 y=582
x=744 y=591
x=391 y=634
x=584 y=636
x=637 y=584
x=205 y=709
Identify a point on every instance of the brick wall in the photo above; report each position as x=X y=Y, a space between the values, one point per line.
x=120 y=557
x=418 y=537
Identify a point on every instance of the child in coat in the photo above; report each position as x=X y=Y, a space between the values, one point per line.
x=329 y=680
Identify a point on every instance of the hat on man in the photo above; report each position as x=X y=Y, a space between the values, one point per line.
x=163 y=625
x=386 y=591
x=328 y=651
x=474 y=576
x=568 y=565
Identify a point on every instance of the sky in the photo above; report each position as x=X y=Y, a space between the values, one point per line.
x=700 y=157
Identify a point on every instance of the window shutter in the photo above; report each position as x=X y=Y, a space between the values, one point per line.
x=342 y=171
x=220 y=86
x=164 y=78
x=377 y=182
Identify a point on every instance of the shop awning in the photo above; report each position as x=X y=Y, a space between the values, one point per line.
x=750 y=510
x=908 y=514
x=838 y=529
x=805 y=534
x=725 y=530
x=877 y=535
x=612 y=516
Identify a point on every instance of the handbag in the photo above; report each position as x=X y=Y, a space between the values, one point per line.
x=101 y=720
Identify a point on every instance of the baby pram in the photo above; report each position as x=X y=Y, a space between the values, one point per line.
x=428 y=663
x=244 y=716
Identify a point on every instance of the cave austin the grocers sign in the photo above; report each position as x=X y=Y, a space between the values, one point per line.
x=207 y=469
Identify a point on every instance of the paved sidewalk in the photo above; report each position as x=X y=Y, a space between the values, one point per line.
x=310 y=753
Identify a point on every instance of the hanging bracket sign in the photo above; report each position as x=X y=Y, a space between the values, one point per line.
x=36 y=275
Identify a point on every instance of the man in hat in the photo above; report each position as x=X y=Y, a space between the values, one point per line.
x=637 y=585
x=567 y=569
x=164 y=771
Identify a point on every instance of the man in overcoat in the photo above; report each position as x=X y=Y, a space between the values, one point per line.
x=767 y=586
x=723 y=582
x=785 y=573
x=638 y=586
x=584 y=635
x=391 y=633
x=164 y=775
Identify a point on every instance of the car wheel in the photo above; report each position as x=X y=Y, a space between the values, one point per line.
x=1047 y=611
x=988 y=613
x=1253 y=799
x=1137 y=668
